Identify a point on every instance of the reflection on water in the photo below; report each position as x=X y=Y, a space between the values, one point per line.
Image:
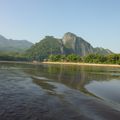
x=108 y=90
x=101 y=82
x=55 y=92
x=44 y=85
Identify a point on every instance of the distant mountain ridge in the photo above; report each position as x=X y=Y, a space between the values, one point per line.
x=10 y=45
x=100 y=50
x=69 y=44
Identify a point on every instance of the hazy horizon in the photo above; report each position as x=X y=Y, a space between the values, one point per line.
x=95 y=21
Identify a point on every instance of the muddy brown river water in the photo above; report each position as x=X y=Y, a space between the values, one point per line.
x=59 y=92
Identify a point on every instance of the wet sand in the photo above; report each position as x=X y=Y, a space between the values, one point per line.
x=64 y=63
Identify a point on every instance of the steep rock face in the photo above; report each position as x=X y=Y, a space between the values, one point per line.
x=70 y=44
x=75 y=44
x=69 y=41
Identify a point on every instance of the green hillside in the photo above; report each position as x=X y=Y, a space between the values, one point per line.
x=10 y=45
x=69 y=44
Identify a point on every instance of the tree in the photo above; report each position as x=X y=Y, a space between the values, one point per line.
x=73 y=58
x=113 y=58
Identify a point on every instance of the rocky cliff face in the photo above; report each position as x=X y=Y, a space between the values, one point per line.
x=77 y=45
x=69 y=44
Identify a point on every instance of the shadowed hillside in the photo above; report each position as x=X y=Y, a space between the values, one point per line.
x=9 y=45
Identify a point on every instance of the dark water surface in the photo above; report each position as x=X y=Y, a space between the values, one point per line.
x=59 y=92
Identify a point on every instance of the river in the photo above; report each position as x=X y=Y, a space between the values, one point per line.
x=59 y=92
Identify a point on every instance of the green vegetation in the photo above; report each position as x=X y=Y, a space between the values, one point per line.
x=13 y=56
x=10 y=45
x=39 y=51
x=68 y=58
x=95 y=58
x=69 y=44
x=91 y=58
x=69 y=49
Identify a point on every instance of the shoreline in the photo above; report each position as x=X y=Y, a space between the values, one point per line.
x=64 y=63
x=83 y=64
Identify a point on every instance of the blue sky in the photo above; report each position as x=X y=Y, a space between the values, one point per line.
x=97 y=21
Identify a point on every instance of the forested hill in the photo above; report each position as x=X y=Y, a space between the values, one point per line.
x=10 y=45
x=69 y=44
x=41 y=50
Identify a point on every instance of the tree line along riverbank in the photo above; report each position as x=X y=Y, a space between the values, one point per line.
x=91 y=58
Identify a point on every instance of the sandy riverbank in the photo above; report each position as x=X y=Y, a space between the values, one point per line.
x=64 y=63
x=83 y=64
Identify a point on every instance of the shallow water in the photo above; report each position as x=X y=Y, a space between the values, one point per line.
x=59 y=92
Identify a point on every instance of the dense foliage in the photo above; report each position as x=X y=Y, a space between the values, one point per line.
x=13 y=56
x=39 y=51
x=69 y=49
x=69 y=44
x=68 y=58
x=91 y=58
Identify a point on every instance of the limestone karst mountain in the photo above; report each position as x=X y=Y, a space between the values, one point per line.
x=76 y=45
x=69 y=44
